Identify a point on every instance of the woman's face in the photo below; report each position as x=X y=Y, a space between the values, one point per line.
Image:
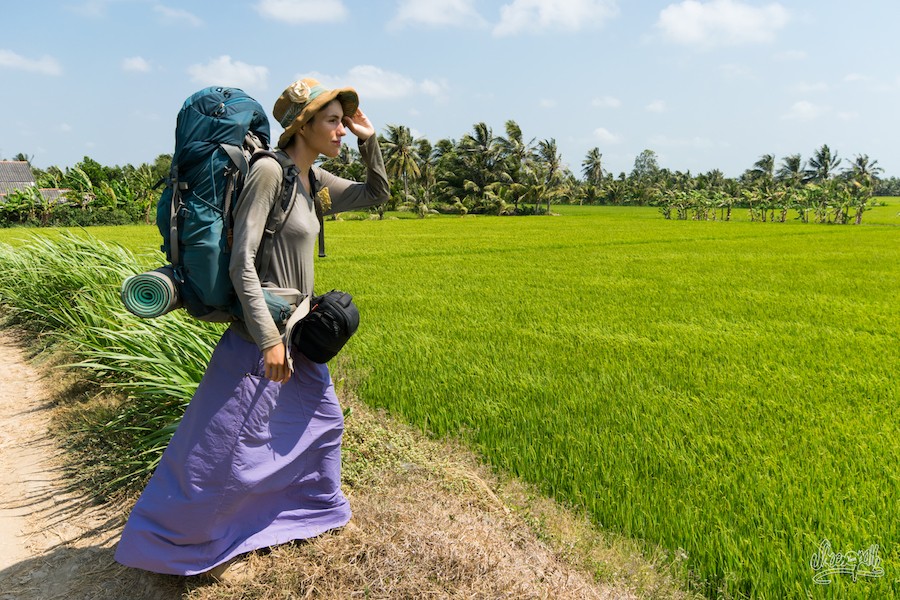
x=324 y=132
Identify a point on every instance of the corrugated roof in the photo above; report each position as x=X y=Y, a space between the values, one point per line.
x=10 y=186
x=54 y=195
x=16 y=171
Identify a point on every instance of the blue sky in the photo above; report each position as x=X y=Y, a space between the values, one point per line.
x=703 y=83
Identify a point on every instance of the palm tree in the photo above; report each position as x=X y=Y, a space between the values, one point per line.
x=764 y=168
x=864 y=170
x=548 y=155
x=823 y=164
x=763 y=174
x=427 y=158
x=480 y=156
x=400 y=155
x=592 y=167
x=863 y=174
x=617 y=191
x=346 y=164
x=792 y=171
x=515 y=151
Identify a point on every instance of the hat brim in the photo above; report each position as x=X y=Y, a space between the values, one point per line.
x=349 y=101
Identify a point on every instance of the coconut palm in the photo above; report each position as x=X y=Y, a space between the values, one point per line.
x=515 y=151
x=592 y=167
x=764 y=168
x=823 y=164
x=427 y=160
x=864 y=170
x=480 y=163
x=792 y=171
x=401 y=159
x=763 y=175
x=346 y=164
x=863 y=175
x=548 y=155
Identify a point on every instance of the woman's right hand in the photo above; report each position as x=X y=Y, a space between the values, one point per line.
x=275 y=358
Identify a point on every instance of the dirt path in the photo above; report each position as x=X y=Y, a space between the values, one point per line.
x=53 y=543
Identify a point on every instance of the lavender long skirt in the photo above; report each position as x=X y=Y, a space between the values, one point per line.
x=252 y=464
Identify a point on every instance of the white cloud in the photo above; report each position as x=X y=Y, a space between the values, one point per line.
x=804 y=110
x=46 y=65
x=657 y=106
x=65 y=128
x=721 y=22
x=848 y=116
x=374 y=82
x=377 y=84
x=856 y=77
x=606 y=102
x=561 y=15
x=178 y=16
x=136 y=64
x=224 y=71
x=296 y=12
x=547 y=103
x=434 y=88
x=606 y=136
x=438 y=13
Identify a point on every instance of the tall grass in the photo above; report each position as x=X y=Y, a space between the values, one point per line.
x=66 y=289
x=726 y=390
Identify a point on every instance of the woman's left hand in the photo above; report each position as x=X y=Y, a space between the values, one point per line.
x=360 y=126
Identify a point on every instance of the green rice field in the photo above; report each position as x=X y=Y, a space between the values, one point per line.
x=728 y=391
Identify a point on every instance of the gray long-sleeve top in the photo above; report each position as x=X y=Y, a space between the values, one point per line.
x=291 y=264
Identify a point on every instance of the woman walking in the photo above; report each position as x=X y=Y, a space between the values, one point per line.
x=255 y=461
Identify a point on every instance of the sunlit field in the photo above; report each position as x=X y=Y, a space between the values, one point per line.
x=727 y=390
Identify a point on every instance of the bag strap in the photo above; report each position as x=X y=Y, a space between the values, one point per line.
x=314 y=190
x=175 y=205
x=280 y=211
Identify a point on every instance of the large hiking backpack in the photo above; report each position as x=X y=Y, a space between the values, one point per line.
x=217 y=134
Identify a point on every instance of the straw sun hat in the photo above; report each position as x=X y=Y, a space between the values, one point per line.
x=302 y=99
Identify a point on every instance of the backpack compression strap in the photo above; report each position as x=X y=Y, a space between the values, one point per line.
x=239 y=162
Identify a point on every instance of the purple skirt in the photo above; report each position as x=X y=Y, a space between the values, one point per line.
x=252 y=464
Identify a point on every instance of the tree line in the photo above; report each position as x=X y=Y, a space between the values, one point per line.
x=484 y=173
x=818 y=190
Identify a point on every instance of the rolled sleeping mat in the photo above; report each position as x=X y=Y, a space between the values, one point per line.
x=151 y=294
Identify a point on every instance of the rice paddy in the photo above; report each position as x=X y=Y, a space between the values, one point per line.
x=724 y=390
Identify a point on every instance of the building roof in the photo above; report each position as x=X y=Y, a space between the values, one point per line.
x=54 y=195
x=16 y=171
x=14 y=175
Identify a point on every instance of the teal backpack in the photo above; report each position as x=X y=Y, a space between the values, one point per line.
x=219 y=132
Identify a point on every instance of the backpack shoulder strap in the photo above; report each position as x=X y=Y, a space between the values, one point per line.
x=280 y=211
